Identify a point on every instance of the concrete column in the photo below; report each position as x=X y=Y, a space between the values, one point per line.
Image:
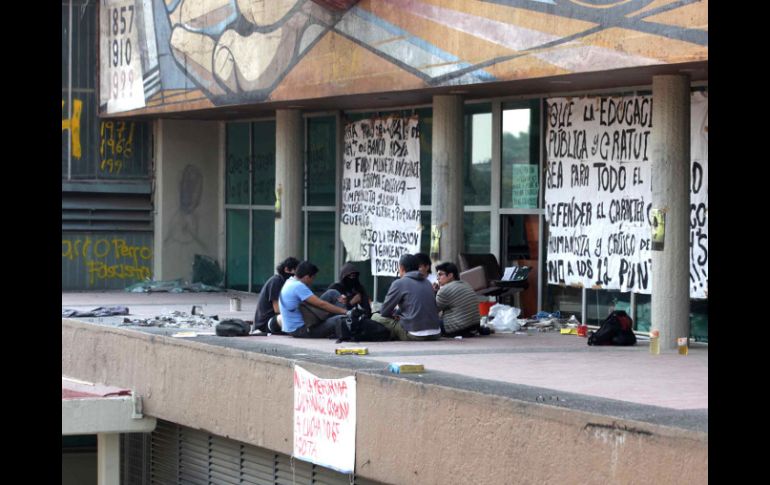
x=108 y=458
x=187 y=196
x=671 y=193
x=289 y=177
x=447 y=175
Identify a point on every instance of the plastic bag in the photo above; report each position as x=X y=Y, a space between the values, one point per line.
x=505 y=318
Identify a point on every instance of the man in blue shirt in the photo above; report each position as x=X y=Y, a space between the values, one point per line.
x=303 y=314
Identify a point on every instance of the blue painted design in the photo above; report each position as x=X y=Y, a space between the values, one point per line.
x=420 y=43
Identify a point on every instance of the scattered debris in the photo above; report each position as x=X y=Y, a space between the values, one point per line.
x=102 y=311
x=175 y=319
x=171 y=286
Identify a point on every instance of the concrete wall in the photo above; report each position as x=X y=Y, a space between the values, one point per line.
x=408 y=431
x=187 y=196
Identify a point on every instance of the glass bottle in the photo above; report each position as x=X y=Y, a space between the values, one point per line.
x=655 y=342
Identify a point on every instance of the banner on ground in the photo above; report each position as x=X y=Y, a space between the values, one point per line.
x=325 y=420
x=598 y=194
x=380 y=217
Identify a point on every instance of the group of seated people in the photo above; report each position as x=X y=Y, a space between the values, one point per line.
x=414 y=309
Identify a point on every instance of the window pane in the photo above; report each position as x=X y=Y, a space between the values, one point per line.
x=425 y=233
x=600 y=303
x=566 y=300
x=237 y=156
x=426 y=153
x=520 y=157
x=320 y=248
x=321 y=161
x=477 y=161
x=476 y=232
x=263 y=148
x=237 y=270
x=262 y=246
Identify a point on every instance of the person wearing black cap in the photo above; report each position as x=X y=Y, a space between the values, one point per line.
x=417 y=315
x=267 y=303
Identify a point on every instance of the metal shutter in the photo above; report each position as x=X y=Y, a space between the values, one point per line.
x=175 y=454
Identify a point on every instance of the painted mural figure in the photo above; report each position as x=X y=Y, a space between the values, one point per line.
x=245 y=47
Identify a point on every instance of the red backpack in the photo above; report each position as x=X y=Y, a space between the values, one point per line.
x=616 y=329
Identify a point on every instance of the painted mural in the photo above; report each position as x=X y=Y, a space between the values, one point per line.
x=174 y=55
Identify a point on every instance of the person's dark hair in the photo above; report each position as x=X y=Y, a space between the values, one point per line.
x=306 y=268
x=424 y=259
x=409 y=262
x=289 y=263
x=449 y=268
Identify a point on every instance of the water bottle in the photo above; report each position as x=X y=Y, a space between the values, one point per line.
x=655 y=342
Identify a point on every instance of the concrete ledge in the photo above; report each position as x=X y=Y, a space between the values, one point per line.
x=102 y=415
x=409 y=430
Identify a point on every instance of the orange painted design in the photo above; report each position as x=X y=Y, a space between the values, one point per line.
x=323 y=73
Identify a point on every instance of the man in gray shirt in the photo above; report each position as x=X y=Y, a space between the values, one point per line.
x=416 y=317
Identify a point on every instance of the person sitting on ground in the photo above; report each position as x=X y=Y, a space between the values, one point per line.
x=417 y=315
x=352 y=292
x=267 y=303
x=458 y=303
x=424 y=267
x=303 y=314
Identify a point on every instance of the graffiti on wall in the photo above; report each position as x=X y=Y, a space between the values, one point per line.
x=217 y=52
x=116 y=144
x=107 y=259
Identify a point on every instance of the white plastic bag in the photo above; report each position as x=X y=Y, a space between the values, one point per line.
x=505 y=318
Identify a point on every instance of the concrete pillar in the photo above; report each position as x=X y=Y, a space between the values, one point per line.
x=447 y=175
x=187 y=196
x=289 y=177
x=108 y=458
x=671 y=193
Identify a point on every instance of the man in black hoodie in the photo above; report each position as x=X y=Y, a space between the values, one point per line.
x=417 y=315
x=267 y=304
x=352 y=292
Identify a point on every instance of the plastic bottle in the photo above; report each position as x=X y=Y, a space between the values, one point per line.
x=682 y=345
x=582 y=328
x=655 y=342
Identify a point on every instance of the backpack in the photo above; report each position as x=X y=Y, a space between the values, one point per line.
x=233 y=327
x=357 y=328
x=616 y=329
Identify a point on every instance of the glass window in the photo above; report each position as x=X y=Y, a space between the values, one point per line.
x=566 y=300
x=426 y=154
x=600 y=303
x=263 y=156
x=262 y=247
x=320 y=248
x=476 y=232
x=237 y=270
x=321 y=161
x=477 y=160
x=237 y=160
x=520 y=157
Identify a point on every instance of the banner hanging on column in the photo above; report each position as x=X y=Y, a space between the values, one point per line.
x=380 y=217
x=598 y=196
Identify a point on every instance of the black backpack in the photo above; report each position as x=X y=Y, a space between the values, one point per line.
x=617 y=329
x=357 y=328
x=233 y=327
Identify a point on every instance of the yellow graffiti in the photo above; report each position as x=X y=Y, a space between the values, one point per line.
x=73 y=126
x=101 y=271
x=90 y=251
x=117 y=144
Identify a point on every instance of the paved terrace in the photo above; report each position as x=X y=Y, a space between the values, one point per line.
x=548 y=368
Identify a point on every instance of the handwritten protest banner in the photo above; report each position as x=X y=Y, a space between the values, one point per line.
x=325 y=420
x=598 y=194
x=380 y=217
